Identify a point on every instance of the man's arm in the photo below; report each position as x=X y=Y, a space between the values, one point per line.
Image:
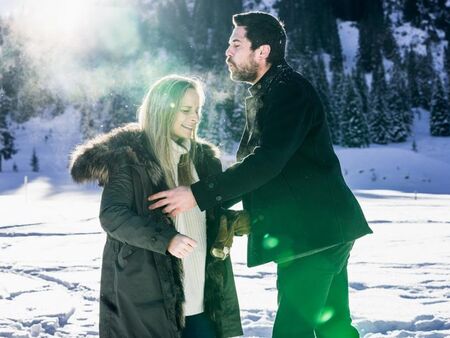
x=288 y=121
x=286 y=125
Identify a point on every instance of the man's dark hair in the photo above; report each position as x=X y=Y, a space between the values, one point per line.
x=264 y=29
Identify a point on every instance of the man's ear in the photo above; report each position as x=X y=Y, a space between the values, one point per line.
x=263 y=51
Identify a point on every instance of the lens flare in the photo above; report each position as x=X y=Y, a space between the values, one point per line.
x=270 y=242
x=326 y=315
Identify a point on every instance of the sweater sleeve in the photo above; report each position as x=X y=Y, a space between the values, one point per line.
x=153 y=232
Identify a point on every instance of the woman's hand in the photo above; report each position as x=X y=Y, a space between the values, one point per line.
x=181 y=246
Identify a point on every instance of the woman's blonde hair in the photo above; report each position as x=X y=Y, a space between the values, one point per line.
x=156 y=117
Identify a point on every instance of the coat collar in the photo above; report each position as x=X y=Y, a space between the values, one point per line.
x=127 y=145
x=260 y=87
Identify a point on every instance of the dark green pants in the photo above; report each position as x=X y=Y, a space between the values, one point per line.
x=313 y=296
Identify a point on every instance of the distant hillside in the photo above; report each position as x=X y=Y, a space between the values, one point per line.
x=373 y=62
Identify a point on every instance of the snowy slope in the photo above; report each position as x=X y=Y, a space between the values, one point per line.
x=51 y=247
x=398 y=167
x=51 y=242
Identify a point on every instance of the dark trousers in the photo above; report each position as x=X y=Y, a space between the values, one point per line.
x=198 y=326
x=313 y=296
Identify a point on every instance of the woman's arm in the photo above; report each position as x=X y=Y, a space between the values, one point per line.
x=153 y=232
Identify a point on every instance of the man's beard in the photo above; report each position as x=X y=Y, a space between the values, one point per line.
x=245 y=73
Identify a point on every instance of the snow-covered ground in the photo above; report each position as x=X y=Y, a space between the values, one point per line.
x=51 y=246
x=51 y=242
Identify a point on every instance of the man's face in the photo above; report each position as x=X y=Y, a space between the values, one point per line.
x=241 y=59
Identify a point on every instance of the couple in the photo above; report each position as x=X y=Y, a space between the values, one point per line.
x=165 y=197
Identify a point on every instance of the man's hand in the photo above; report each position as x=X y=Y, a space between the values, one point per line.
x=242 y=223
x=174 y=201
x=221 y=246
x=181 y=246
x=238 y=223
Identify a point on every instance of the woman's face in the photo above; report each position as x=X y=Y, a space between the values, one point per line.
x=187 y=117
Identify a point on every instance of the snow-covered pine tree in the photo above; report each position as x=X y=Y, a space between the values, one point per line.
x=34 y=163
x=323 y=89
x=447 y=68
x=216 y=132
x=336 y=58
x=371 y=35
x=447 y=63
x=7 y=147
x=361 y=88
x=440 y=113
x=379 y=119
x=234 y=123
x=411 y=69
x=306 y=65
x=210 y=27
x=353 y=124
x=87 y=122
x=425 y=78
x=390 y=48
x=397 y=104
x=411 y=12
x=336 y=105
x=120 y=109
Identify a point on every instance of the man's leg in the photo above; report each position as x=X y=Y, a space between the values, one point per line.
x=337 y=323
x=303 y=288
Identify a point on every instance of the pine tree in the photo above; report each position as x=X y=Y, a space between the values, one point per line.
x=336 y=58
x=372 y=33
x=447 y=62
x=425 y=78
x=447 y=68
x=413 y=86
x=175 y=28
x=411 y=12
x=336 y=105
x=311 y=27
x=306 y=65
x=361 y=88
x=95 y=116
x=353 y=124
x=34 y=163
x=210 y=31
x=414 y=146
x=120 y=109
x=234 y=122
x=397 y=105
x=379 y=121
x=390 y=47
x=7 y=147
x=440 y=113
x=323 y=89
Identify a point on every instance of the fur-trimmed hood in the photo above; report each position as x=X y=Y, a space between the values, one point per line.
x=97 y=158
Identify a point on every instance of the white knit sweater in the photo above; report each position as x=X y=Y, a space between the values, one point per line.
x=191 y=223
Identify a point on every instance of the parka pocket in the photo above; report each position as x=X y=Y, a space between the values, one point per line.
x=124 y=253
x=136 y=278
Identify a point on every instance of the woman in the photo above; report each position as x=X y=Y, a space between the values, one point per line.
x=147 y=254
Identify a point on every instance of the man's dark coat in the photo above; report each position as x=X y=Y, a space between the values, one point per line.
x=141 y=291
x=288 y=177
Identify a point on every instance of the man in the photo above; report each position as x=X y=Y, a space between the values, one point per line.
x=304 y=217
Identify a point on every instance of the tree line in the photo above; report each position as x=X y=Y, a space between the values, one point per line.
x=374 y=102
